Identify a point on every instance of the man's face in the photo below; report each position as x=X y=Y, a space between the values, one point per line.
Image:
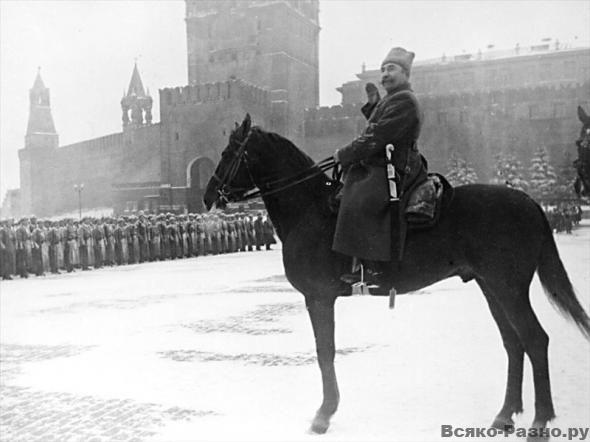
x=392 y=76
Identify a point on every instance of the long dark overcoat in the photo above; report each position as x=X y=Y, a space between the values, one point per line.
x=364 y=228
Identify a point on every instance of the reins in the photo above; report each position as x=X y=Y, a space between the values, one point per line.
x=305 y=175
x=267 y=187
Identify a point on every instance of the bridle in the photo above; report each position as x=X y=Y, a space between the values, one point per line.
x=266 y=186
x=584 y=141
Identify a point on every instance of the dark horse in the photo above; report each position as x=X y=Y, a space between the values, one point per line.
x=493 y=234
x=582 y=164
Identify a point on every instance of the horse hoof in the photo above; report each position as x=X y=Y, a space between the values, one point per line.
x=531 y=438
x=319 y=425
x=504 y=424
x=538 y=432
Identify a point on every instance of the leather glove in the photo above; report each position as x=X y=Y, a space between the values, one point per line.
x=336 y=157
x=372 y=93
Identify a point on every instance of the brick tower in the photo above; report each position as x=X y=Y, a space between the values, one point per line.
x=271 y=44
x=36 y=158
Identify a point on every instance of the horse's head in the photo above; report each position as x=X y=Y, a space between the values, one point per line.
x=232 y=177
x=255 y=158
x=582 y=164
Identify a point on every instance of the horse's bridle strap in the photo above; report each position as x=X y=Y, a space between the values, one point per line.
x=266 y=187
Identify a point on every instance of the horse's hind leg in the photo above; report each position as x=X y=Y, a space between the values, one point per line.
x=515 y=304
x=515 y=352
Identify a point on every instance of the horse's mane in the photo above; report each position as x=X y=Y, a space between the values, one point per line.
x=295 y=155
x=290 y=154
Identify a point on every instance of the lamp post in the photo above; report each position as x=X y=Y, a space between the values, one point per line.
x=78 y=188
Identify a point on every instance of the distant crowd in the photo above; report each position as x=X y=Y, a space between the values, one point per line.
x=564 y=217
x=34 y=246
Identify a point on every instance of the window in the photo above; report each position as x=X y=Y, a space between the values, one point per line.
x=546 y=71
x=442 y=118
x=570 y=68
x=463 y=116
x=506 y=77
x=559 y=110
x=468 y=79
x=491 y=76
x=131 y=206
x=533 y=111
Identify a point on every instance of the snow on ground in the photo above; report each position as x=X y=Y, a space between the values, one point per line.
x=221 y=348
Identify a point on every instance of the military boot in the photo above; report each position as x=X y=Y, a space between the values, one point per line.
x=371 y=272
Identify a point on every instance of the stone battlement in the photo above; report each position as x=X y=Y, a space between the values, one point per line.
x=507 y=96
x=211 y=92
x=327 y=120
x=333 y=112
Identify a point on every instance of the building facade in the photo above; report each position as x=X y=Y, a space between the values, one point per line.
x=477 y=105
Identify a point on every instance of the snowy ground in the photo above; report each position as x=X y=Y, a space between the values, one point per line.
x=220 y=348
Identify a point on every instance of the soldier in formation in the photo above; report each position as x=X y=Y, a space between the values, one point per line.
x=42 y=247
x=564 y=217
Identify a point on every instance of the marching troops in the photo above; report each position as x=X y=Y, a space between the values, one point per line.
x=41 y=247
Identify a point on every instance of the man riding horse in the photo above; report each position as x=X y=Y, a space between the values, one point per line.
x=364 y=226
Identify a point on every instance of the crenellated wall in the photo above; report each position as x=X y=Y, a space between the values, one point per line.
x=100 y=164
x=171 y=99
x=198 y=119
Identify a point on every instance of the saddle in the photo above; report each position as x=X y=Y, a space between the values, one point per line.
x=420 y=208
x=425 y=202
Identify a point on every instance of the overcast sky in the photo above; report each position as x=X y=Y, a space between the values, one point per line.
x=86 y=50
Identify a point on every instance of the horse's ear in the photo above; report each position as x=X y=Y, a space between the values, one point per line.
x=246 y=124
x=584 y=118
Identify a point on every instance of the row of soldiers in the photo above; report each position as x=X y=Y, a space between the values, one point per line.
x=42 y=246
x=564 y=217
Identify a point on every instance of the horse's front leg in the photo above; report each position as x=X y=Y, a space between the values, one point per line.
x=321 y=313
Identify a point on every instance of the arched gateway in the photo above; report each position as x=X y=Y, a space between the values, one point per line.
x=198 y=173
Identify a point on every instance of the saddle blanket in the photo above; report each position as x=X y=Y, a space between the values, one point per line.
x=424 y=203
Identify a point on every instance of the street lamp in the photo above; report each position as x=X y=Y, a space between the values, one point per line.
x=78 y=188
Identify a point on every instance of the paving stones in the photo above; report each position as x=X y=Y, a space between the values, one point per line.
x=264 y=359
x=28 y=415
x=252 y=322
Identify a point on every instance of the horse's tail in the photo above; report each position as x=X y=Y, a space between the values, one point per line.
x=558 y=286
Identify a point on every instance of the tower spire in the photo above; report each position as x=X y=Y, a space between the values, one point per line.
x=38 y=84
x=136 y=102
x=136 y=85
x=40 y=118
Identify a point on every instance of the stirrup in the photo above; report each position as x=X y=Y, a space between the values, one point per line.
x=361 y=287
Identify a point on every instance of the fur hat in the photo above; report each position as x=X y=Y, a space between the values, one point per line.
x=400 y=56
